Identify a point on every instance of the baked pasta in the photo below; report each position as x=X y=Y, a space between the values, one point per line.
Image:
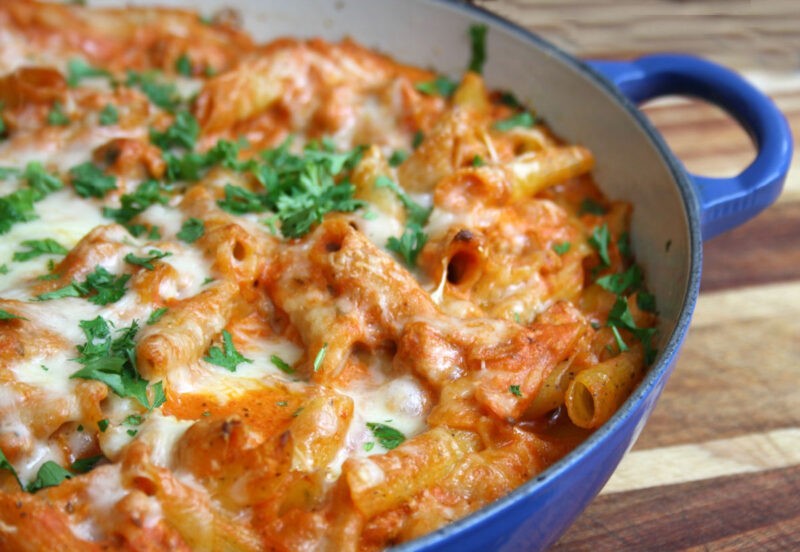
x=286 y=296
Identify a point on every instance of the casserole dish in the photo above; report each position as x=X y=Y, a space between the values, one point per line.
x=634 y=166
x=592 y=104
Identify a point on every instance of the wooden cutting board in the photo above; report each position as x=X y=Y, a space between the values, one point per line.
x=718 y=465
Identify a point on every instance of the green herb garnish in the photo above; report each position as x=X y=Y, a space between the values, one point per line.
x=36 y=248
x=191 y=230
x=387 y=436
x=229 y=358
x=524 y=119
x=90 y=181
x=477 y=37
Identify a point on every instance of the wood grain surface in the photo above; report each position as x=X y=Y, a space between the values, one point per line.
x=718 y=465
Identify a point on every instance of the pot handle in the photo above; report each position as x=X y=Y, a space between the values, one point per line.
x=724 y=202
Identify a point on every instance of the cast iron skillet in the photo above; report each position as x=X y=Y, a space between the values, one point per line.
x=592 y=104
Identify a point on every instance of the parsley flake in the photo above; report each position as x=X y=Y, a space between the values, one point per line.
x=417 y=140
x=56 y=117
x=146 y=262
x=619 y=283
x=50 y=475
x=6 y=465
x=515 y=390
x=477 y=37
x=524 y=119
x=589 y=205
x=229 y=358
x=163 y=94
x=320 y=356
x=109 y=115
x=410 y=244
x=397 y=158
x=441 y=86
x=5 y=315
x=109 y=287
x=183 y=66
x=78 y=69
x=89 y=180
x=281 y=364
x=562 y=248
x=36 y=248
x=599 y=240
x=191 y=230
x=85 y=465
x=387 y=436
x=103 y=425
x=182 y=133
x=146 y=194
x=156 y=315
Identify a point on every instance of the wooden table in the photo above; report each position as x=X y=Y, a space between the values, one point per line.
x=718 y=465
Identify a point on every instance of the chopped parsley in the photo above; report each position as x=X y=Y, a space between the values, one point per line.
x=599 y=240
x=369 y=446
x=239 y=201
x=646 y=301
x=6 y=465
x=417 y=140
x=103 y=425
x=619 y=283
x=109 y=115
x=414 y=238
x=146 y=262
x=3 y=269
x=17 y=207
x=509 y=99
x=589 y=205
x=156 y=315
x=620 y=317
x=133 y=420
x=109 y=287
x=523 y=119
x=441 y=86
x=132 y=432
x=36 y=248
x=478 y=161
x=146 y=194
x=182 y=133
x=191 y=230
x=85 y=465
x=163 y=94
x=410 y=244
x=477 y=37
x=621 y=345
x=320 y=356
x=417 y=214
x=56 y=117
x=281 y=364
x=397 y=158
x=183 y=66
x=562 y=248
x=78 y=69
x=229 y=358
x=5 y=315
x=387 y=436
x=515 y=390
x=50 y=475
x=624 y=245
x=112 y=360
x=89 y=180
x=40 y=180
